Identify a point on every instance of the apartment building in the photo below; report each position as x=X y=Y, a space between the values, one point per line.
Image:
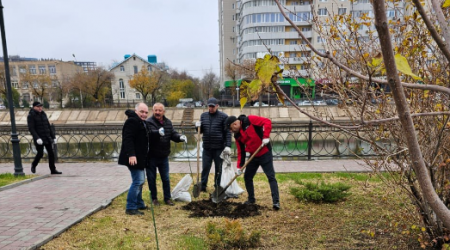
x=123 y=72
x=248 y=27
x=22 y=70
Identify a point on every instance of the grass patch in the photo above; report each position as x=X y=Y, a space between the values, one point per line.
x=8 y=178
x=375 y=216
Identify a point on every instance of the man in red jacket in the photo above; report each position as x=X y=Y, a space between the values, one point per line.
x=250 y=133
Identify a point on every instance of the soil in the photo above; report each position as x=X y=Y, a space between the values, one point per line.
x=234 y=210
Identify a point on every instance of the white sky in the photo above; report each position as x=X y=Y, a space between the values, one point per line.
x=181 y=33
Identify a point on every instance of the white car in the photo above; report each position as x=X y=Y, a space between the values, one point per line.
x=304 y=103
x=262 y=105
x=2 y=106
x=319 y=103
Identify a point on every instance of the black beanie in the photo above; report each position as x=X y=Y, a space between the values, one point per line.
x=230 y=120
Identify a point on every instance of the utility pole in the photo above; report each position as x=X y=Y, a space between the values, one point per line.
x=18 y=169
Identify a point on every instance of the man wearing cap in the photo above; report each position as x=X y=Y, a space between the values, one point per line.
x=216 y=139
x=43 y=136
x=250 y=133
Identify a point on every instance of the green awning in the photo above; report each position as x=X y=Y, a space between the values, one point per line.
x=283 y=82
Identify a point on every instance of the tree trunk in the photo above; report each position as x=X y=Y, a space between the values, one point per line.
x=415 y=153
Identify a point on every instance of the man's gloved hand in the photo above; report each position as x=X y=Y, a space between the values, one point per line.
x=198 y=124
x=183 y=138
x=226 y=151
x=265 y=141
x=39 y=141
x=55 y=141
x=238 y=171
x=161 y=132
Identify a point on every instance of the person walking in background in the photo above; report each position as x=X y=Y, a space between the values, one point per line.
x=216 y=139
x=133 y=154
x=250 y=133
x=161 y=133
x=43 y=136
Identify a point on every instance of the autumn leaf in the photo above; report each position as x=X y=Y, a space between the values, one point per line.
x=403 y=66
x=446 y=4
x=266 y=67
x=243 y=101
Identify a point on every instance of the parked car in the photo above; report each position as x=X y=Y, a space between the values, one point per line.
x=2 y=106
x=262 y=104
x=319 y=103
x=304 y=103
x=332 y=101
x=180 y=105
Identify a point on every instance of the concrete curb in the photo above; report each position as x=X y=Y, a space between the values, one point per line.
x=13 y=185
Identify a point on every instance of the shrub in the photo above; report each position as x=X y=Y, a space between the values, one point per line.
x=321 y=192
x=230 y=235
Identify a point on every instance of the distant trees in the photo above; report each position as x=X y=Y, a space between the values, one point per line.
x=94 y=85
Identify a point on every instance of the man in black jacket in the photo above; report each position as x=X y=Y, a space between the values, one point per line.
x=161 y=133
x=43 y=136
x=133 y=154
x=216 y=139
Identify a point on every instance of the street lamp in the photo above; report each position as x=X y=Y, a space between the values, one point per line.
x=237 y=94
x=18 y=170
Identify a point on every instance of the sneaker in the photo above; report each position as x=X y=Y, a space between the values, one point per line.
x=55 y=172
x=133 y=212
x=143 y=208
x=33 y=169
x=276 y=206
x=249 y=202
x=169 y=202
x=155 y=202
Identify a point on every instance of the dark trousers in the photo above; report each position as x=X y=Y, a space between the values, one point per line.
x=266 y=162
x=162 y=164
x=40 y=154
x=208 y=156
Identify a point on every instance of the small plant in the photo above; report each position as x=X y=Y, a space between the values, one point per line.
x=321 y=192
x=230 y=235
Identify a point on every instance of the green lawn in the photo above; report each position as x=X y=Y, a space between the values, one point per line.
x=8 y=178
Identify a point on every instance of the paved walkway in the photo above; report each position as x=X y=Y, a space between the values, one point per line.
x=33 y=213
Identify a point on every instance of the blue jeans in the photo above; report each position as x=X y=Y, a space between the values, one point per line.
x=207 y=158
x=266 y=162
x=134 y=198
x=163 y=167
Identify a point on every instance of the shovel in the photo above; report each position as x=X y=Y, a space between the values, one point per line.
x=198 y=185
x=219 y=194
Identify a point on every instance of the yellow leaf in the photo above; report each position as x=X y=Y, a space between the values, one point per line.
x=446 y=4
x=413 y=227
x=403 y=66
x=425 y=93
x=243 y=101
x=423 y=229
x=266 y=67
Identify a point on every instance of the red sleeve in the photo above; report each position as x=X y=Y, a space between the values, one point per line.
x=262 y=122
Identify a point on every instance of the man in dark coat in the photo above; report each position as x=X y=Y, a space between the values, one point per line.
x=43 y=136
x=161 y=133
x=250 y=133
x=133 y=154
x=216 y=139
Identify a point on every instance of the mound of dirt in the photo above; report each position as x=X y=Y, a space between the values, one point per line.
x=234 y=210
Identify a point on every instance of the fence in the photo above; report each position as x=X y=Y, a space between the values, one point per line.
x=289 y=142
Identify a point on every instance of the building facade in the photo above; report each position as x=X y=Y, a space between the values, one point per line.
x=123 y=72
x=25 y=75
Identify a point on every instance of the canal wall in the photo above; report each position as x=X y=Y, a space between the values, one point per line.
x=71 y=117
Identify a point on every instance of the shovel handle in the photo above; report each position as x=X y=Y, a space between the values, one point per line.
x=198 y=153
x=243 y=167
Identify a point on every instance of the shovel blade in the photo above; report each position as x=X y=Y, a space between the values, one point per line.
x=196 y=190
x=218 y=195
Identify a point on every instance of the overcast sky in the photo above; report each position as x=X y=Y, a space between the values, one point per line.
x=181 y=33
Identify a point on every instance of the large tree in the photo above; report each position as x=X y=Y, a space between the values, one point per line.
x=94 y=85
x=397 y=78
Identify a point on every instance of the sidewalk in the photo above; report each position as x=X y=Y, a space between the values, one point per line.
x=33 y=213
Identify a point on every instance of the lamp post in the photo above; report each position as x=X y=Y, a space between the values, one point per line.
x=18 y=170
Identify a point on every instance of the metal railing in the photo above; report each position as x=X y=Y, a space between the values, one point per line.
x=289 y=142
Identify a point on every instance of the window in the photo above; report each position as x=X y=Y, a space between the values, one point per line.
x=26 y=97
x=15 y=84
x=121 y=89
x=291 y=42
x=122 y=68
x=52 y=69
x=22 y=70
x=42 y=70
x=32 y=69
x=390 y=13
x=233 y=17
x=149 y=68
x=14 y=71
x=25 y=85
x=232 y=6
x=138 y=96
x=135 y=69
x=35 y=85
x=320 y=39
x=322 y=12
x=306 y=29
x=342 y=11
x=54 y=84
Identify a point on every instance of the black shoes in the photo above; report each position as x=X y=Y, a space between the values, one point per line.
x=33 y=169
x=276 y=206
x=133 y=212
x=169 y=202
x=143 y=208
x=249 y=202
x=52 y=172
x=155 y=202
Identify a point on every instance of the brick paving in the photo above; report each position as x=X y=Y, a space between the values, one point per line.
x=33 y=213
